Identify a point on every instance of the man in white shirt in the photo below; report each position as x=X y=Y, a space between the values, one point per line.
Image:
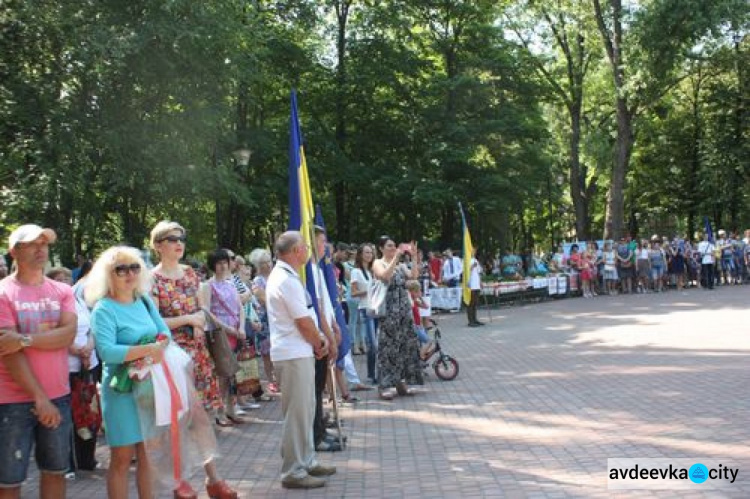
x=295 y=344
x=475 y=285
x=452 y=269
x=327 y=321
x=706 y=250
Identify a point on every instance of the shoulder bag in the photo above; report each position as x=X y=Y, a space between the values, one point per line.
x=217 y=340
x=376 y=292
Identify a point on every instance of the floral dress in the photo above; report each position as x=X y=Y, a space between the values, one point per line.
x=177 y=297
x=398 y=346
x=263 y=337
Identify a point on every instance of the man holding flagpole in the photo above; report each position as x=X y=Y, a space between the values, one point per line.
x=470 y=278
x=327 y=320
x=475 y=286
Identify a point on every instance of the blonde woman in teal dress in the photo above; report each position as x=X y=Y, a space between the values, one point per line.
x=123 y=314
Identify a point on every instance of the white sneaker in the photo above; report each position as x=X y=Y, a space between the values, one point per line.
x=249 y=406
x=238 y=411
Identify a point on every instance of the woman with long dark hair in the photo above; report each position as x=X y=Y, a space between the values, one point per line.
x=398 y=348
x=361 y=278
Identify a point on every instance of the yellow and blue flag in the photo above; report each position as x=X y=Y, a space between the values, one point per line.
x=468 y=254
x=301 y=214
x=326 y=266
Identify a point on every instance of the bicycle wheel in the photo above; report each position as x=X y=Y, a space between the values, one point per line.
x=446 y=368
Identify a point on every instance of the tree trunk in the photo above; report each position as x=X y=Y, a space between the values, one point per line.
x=340 y=189
x=695 y=162
x=615 y=218
x=577 y=178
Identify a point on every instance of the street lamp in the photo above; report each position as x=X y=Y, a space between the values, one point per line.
x=242 y=155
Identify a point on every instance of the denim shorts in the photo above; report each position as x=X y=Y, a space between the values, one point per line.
x=21 y=430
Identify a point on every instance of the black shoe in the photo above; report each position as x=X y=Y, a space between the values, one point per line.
x=334 y=439
x=479 y=323
x=328 y=446
x=473 y=324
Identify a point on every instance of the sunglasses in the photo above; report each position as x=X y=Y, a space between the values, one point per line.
x=122 y=270
x=173 y=239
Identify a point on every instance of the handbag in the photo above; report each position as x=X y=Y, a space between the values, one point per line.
x=248 y=375
x=218 y=345
x=85 y=404
x=376 y=298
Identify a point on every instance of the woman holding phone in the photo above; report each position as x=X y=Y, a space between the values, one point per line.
x=398 y=347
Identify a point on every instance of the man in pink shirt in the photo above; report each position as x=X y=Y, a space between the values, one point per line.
x=37 y=324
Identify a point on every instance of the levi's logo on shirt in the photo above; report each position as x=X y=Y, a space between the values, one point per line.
x=43 y=305
x=44 y=313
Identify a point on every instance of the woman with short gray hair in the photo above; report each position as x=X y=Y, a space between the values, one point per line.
x=261 y=259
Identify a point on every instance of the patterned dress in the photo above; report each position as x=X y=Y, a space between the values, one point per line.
x=263 y=337
x=177 y=297
x=398 y=346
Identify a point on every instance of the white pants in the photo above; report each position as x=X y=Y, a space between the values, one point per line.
x=350 y=371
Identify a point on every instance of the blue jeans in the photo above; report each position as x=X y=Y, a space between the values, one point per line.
x=421 y=334
x=20 y=430
x=371 y=341
x=357 y=338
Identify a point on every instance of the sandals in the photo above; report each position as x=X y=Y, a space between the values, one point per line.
x=360 y=387
x=220 y=490
x=236 y=420
x=184 y=491
x=386 y=395
x=224 y=422
x=403 y=390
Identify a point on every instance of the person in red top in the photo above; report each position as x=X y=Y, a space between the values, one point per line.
x=37 y=325
x=415 y=292
x=436 y=267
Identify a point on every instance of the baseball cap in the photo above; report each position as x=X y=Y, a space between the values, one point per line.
x=29 y=233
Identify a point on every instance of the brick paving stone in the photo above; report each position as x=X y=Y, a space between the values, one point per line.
x=546 y=393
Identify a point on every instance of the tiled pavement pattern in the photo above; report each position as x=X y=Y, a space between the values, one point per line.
x=545 y=394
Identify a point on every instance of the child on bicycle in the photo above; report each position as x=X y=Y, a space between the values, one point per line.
x=415 y=293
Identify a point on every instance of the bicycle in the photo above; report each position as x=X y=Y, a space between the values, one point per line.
x=445 y=366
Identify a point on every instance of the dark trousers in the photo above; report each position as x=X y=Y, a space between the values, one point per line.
x=471 y=310
x=319 y=427
x=707 y=275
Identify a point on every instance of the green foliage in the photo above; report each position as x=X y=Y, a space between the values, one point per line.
x=114 y=115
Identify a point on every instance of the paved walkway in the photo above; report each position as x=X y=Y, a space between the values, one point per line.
x=546 y=393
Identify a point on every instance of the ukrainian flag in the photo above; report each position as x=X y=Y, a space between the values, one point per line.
x=468 y=254
x=301 y=214
x=326 y=265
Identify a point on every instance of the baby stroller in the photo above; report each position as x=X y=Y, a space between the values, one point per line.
x=445 y=366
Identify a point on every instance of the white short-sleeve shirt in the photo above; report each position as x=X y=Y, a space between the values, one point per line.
x=322 y=291
x=363 y=283
x=287 y=300
x=475 y=281
x=706 y=249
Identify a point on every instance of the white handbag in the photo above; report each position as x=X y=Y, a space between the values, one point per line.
x=376 y=298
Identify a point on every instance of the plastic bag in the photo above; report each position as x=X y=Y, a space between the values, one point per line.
x=177 y=431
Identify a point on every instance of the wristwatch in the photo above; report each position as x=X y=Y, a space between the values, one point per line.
x=25 y=341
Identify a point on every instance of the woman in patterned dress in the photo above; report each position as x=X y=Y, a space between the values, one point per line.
x=175 y=292
x=398 y=346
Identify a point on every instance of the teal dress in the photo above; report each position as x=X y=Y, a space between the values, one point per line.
x=117 y=327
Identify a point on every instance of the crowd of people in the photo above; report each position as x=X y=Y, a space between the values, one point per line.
x=173 y=351
x=154 y=357
x=656 y=264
